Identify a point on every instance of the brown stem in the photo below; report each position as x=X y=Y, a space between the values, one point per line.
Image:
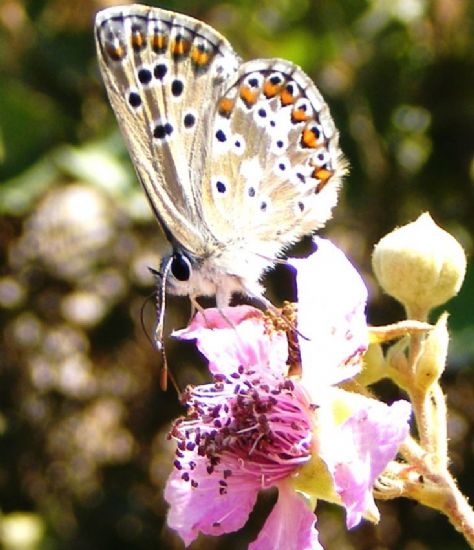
x=439 y=491
x=440 y=435
x=420 y=398
x=459 y=512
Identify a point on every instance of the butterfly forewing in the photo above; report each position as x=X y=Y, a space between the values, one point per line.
x=164 y=74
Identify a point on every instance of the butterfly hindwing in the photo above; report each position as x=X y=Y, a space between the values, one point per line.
x=275 y=159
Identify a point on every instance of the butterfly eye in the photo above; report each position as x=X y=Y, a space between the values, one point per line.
x=180 y=267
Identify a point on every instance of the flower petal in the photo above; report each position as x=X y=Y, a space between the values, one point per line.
x=206 y=508
x=358 y=452
x=291 y=525
x=235 y=336
x=331 y=315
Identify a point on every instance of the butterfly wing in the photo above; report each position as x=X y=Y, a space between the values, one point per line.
x=275 y=160
x=164 y=73
x=237 y=161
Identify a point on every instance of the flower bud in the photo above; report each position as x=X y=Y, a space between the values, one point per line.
x=420 y=265
x=374 y=366
x=433 y=359
x=398 y=366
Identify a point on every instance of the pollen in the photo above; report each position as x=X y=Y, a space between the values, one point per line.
x=242 y=416
x=278 y=321
x=285 y=320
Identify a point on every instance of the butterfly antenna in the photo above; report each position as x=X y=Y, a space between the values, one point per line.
x=142 y=317
x=282 y=261
x=161 y=305
x=165 y=373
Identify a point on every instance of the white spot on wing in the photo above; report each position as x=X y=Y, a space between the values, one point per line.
x=282 y=168
x=300 y=172
x=238 y=144
x=220 y=186
x=222 y=138
x=252 y=171
x=262 y=113
x=327 y=123
x=279 y=144
x=320 y=157
x=254 y=80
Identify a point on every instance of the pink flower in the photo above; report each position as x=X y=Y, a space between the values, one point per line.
x=254 y=427
x=359 y=449
x=249 y=430
x=331 y=315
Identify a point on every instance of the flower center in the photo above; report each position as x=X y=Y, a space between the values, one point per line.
x=253 y=425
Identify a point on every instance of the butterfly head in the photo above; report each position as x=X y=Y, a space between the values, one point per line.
x=184 y=274
x=180 y=267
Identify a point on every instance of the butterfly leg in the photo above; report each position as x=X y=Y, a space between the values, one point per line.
x=226 y=319
x=196 y=306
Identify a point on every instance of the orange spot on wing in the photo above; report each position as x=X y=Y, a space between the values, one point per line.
x=248 y=95
x=287 y=98
x=138 y=40
x=225 y=106
x=298 y=115
x=180 y=46
x=200 y=57
x=323 y=175
x=115 y=52
x=271 y=90
x=309 y=139
x=159 y=42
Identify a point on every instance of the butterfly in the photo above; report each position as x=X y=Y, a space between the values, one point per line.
x=239 y=160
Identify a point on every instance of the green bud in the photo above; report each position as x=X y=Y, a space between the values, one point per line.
x=420 y=265
x=374 y=366
x=433 y=359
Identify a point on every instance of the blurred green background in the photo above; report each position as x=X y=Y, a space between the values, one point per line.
x=83 y=423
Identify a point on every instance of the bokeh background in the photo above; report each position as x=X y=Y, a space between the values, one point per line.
x=83 y=422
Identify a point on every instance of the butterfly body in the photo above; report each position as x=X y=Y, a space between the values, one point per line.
x=213 y=276
x=238 y=160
